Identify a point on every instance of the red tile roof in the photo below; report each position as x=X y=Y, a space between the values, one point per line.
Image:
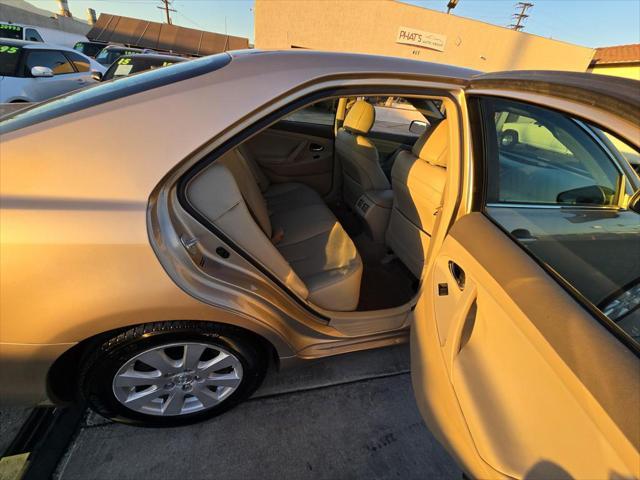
x=618 y=54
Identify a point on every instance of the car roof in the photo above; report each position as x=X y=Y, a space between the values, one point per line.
x=35 y=45
x=122 y=47
x=18 y=24
x=16 y=43
x=610 y=93
x=91 y=42
x=339 y=62
x=156 y=56
x=621 y=95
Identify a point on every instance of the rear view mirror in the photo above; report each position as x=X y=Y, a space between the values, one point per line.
x=590 y=195
x=509 y=138
x=418 y=127
x=41 y=72
x=97 y=76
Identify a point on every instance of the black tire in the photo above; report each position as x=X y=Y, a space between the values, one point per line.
x=100 y=365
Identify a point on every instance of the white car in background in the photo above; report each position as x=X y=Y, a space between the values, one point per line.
x=31 y=33
x=32 y=72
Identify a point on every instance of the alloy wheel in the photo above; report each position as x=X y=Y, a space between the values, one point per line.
x=177 y=379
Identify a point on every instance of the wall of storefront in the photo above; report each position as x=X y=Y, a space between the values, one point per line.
x=389 y=27
x=631 y=70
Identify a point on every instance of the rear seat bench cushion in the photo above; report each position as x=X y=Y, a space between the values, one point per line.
x=282 y=196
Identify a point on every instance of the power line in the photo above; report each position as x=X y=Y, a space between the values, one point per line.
x=166 y=6
x=520 y=16
x=191 y=21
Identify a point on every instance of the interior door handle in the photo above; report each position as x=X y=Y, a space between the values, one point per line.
x=458 y=274
x=314 y=147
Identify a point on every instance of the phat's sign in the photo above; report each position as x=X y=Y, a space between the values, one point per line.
x=420 y=38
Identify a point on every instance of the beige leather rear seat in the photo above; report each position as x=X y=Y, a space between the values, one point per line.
x=301 y=228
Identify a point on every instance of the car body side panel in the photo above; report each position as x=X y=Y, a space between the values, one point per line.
x=23 y=376
x=13 y=89
x=74 y=240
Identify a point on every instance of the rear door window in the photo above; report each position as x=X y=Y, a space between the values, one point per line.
x=559 y=191
x=54 y=59
x=395 y=115
x=546 y=158
x=9 y=60
x=319 y=113
x=81 y=63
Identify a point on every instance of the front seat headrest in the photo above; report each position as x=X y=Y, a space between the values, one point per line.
x=360 y=118
x=433 y=145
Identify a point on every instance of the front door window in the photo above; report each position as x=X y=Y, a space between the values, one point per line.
x=559 y=191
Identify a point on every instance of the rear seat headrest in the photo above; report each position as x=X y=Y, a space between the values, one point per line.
x=360 y=118
x=433 y=145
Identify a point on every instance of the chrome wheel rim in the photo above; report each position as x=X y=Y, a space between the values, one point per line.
x=177 y=379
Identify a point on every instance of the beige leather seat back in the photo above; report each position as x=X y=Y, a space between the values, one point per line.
x=418 y=180
x=358 y=156
x=288 y=228
x=249 y=189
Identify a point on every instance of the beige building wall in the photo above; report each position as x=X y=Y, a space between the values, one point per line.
x=373 y=26
x=18 y=11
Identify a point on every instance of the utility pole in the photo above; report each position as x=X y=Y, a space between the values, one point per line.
x=523 y=6
x=166 y=6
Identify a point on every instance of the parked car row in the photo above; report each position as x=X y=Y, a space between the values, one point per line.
x=33 y=71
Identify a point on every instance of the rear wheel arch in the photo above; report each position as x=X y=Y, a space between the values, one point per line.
x=63 y=376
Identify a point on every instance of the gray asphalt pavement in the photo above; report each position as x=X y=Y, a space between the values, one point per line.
x=346 y=417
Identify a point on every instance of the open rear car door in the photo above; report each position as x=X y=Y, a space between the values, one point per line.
x=524 y=343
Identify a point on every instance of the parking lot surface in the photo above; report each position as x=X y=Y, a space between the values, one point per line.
x=351 y=416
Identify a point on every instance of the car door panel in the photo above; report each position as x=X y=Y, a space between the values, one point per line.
x=44 y=88
x=523 y=374
x=301 y=153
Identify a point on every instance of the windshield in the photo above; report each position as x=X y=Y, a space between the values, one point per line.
x=10 y=31
x=89 y=49
x=9 y=58
x=109 y=55
x=135 y=64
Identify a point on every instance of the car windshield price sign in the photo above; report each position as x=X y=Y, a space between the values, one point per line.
x=9 y=50
x=420 y=38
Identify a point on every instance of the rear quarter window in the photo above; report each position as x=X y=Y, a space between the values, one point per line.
x=81 y=63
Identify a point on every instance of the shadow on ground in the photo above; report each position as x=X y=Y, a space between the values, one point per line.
x=351 y=416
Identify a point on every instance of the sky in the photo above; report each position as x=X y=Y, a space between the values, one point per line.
x=591 y=23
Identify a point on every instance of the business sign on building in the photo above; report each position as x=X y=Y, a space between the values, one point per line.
x=420 y=38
